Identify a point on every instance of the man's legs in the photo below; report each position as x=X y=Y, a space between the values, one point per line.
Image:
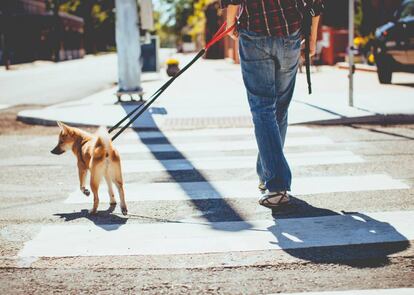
x=269 y=66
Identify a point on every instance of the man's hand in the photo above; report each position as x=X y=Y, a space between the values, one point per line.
x=233 y=33
x=313 y=38
x=312 y=48
x=232 y=11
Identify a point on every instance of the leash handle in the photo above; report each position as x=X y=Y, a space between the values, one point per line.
x=307 y=29
x=221 y=33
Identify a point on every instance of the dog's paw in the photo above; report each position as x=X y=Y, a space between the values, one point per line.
x=93 y=211
x=124 y=211
x=86 y=192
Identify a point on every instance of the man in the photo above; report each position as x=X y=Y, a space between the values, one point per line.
x=270 y=35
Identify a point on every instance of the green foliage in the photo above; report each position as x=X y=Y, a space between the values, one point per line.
x=176 y=14
x=99 y=20
x=359 y=17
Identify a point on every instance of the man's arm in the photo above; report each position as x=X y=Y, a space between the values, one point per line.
x=232 y=11
x=225 y=3
x=314 y=35
x=318 y=7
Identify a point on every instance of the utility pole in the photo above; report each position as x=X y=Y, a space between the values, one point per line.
x=57 y=30
x=128 y=48
x=351 y=30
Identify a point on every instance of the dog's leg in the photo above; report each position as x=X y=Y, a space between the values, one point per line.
x=97 y=172
x=117 y=178
x=82 y=179
x=110 y=189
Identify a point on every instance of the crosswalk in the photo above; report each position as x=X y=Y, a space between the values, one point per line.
x=210 y=150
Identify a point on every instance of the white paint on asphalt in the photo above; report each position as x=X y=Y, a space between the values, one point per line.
x=136 y=192
x=206 y=132
x=237 y=162
x=402 y=291
x=217 y=145
x=218 y=237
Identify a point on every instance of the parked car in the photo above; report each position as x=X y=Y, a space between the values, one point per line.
x=394 y=43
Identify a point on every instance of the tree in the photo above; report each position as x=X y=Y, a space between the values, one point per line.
x=98 y=17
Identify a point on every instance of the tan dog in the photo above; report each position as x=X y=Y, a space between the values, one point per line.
x=95 y=153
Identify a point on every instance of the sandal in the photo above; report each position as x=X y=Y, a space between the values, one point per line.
x=279 y=199
x=262 y=187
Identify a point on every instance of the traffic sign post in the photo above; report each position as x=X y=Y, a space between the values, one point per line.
x=351 y=29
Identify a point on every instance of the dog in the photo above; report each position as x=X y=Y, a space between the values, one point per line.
x=96 y=153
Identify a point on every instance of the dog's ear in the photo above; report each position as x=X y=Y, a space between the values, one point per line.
x=63 y=127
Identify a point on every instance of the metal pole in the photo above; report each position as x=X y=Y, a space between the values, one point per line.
x=351 y=30
x=128 y=46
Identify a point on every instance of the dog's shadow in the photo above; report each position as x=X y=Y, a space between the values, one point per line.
x=105 y=219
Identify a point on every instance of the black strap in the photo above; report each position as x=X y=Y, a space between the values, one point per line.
x=143 y=107
x=307 y=30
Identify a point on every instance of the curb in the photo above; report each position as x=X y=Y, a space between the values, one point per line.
x=378 y=119
x=358 y=67
x=52 y=123
x=368 y=120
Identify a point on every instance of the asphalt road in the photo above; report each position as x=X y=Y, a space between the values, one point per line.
x=65 y=81
x=193 y=231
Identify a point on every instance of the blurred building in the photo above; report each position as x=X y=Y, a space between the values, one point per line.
x=29 y=31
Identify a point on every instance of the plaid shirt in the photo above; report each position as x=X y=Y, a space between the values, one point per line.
x=272 y=17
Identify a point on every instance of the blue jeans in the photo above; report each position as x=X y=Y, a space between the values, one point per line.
x=269 y=66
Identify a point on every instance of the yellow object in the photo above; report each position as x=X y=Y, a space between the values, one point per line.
x=371 y=58
x=172 y=61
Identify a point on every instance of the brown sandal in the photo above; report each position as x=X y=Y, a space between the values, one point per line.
x=282 y=199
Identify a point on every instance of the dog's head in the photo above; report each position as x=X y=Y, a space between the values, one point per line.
x=66 y=139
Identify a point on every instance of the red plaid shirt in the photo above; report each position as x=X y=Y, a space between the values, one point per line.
x=271 y=17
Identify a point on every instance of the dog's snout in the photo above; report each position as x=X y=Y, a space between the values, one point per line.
x=57 y=151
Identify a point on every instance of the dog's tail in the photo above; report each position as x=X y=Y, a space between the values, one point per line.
x=103 y=145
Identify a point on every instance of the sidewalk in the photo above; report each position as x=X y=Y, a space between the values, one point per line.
x=211 y=94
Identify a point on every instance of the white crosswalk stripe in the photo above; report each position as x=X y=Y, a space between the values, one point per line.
x=248 y=132
x=237 y=162
x=212 y=146
x=246 y=189
x=400 y=291
x=194 y=237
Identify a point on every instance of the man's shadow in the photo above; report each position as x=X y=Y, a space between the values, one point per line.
x=105 y=219
x=305 y=239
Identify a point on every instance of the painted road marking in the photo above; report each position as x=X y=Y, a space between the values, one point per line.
x=402 y=291
x=216 y=145
x=207 y=132
x=219 y=237
x=236 y=162
x=137 y=192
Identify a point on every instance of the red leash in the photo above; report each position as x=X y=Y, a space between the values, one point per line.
x=220 y=34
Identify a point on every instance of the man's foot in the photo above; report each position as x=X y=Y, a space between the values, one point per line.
x=262 y=187
x=274 y=199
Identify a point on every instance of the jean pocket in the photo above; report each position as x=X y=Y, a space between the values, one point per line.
x=251 y=48
x=293 y=41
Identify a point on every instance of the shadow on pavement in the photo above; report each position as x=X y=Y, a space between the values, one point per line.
x=404 y=84
x=373 y=130
x=105 y=219
x=367 y=250
x=212 y=210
